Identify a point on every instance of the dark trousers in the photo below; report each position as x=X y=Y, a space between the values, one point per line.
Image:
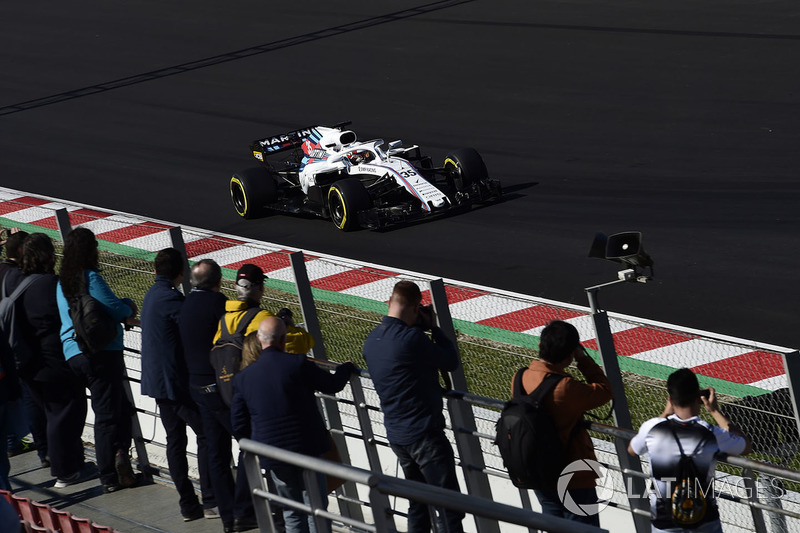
x=175 y=416
x=233 y=497
x=430 y=460
x=551 y=504
x=65 y=412
x=102 y=374
x=34 y=413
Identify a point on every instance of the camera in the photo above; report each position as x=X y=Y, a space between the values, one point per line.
x=285 y=314
x=705 y=393
x=425 y=317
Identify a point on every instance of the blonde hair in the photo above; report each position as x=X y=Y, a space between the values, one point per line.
x=251 y=350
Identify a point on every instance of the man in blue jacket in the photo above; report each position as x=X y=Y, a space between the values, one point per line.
x=166 y=379
x=274 y=403
x=404 y=364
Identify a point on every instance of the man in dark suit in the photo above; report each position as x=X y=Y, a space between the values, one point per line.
x=274 y=402
x=166 y=379
x=198 y=322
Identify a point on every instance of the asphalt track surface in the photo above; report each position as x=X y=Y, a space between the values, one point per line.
x=675 y=118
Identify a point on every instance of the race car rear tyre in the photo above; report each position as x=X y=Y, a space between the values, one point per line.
x=345 y=199
x=251 y=190
x=466 y=167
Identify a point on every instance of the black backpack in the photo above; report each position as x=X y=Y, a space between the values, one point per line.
x=688 y=502
x=527 y=437
x=28 y=360
x=226 y=354
x=94 y=327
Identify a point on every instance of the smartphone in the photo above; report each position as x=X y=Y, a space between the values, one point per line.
x=705 y=393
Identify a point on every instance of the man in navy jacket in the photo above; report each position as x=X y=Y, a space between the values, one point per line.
x=404 y=364
x=166 y=378
x=274 y=403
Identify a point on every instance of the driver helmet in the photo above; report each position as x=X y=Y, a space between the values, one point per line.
x=359 y=156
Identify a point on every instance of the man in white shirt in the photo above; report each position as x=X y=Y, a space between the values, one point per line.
x=680 y=431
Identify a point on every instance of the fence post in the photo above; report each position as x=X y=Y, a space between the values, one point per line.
x=64 y=225
x=791 y=363
x=311 y=320
x=176 y=236
x=622 y=414
x=362 y=412
x=748 y=479
x=462 y=418
x=256 y=481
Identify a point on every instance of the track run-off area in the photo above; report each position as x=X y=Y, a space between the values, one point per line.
x=736 y=367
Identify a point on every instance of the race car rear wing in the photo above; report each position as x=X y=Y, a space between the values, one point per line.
x=285 y=141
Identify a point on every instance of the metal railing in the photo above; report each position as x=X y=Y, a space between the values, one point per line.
x=748 y=466
x=379 y=488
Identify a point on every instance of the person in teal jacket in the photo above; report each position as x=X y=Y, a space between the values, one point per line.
x=103 y=372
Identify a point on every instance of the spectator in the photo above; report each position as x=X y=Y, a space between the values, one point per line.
x=51 y=382
x=250 y=290
x=9 y=396
x=559 y=345
x=679 y=428
x=251 y=350
x=103 y=372
x=30 y=418
x=166 y=379
x=199 y=320
x=274 y=403
x=404 y=364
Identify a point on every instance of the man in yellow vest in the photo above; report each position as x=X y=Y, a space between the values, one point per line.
x=250 y=290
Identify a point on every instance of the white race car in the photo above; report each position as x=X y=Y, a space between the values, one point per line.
x=329 y=173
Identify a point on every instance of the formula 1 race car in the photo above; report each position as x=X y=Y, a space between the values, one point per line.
x=329 y=173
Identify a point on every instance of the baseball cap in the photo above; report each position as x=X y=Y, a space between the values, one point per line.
x=251 y=274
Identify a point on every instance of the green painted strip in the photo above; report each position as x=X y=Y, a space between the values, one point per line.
x=523 y=340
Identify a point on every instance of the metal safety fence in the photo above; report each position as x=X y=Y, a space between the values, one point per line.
x=497 y=333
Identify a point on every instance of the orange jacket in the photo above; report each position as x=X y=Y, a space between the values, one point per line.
x=567 y=403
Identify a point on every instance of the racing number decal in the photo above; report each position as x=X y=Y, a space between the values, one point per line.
x=408 y=173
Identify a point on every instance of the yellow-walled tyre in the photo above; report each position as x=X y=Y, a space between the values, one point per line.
x=251 y=191
x=466 y=167
x=345 y=199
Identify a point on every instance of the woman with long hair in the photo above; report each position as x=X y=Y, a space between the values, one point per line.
x=102 y=372
x=51 y=382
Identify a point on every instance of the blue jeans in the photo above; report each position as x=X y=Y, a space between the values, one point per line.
x=289 y=484
x=551 y=504
x=430 y=460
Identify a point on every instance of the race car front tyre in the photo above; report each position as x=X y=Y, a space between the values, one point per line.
x=251 y=191
x=466 y=167
x=345 y=199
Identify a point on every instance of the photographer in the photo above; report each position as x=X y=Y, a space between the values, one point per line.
x=679 y=431
x=404 y=364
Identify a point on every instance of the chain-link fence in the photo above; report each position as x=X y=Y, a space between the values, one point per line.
x=497 y=333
